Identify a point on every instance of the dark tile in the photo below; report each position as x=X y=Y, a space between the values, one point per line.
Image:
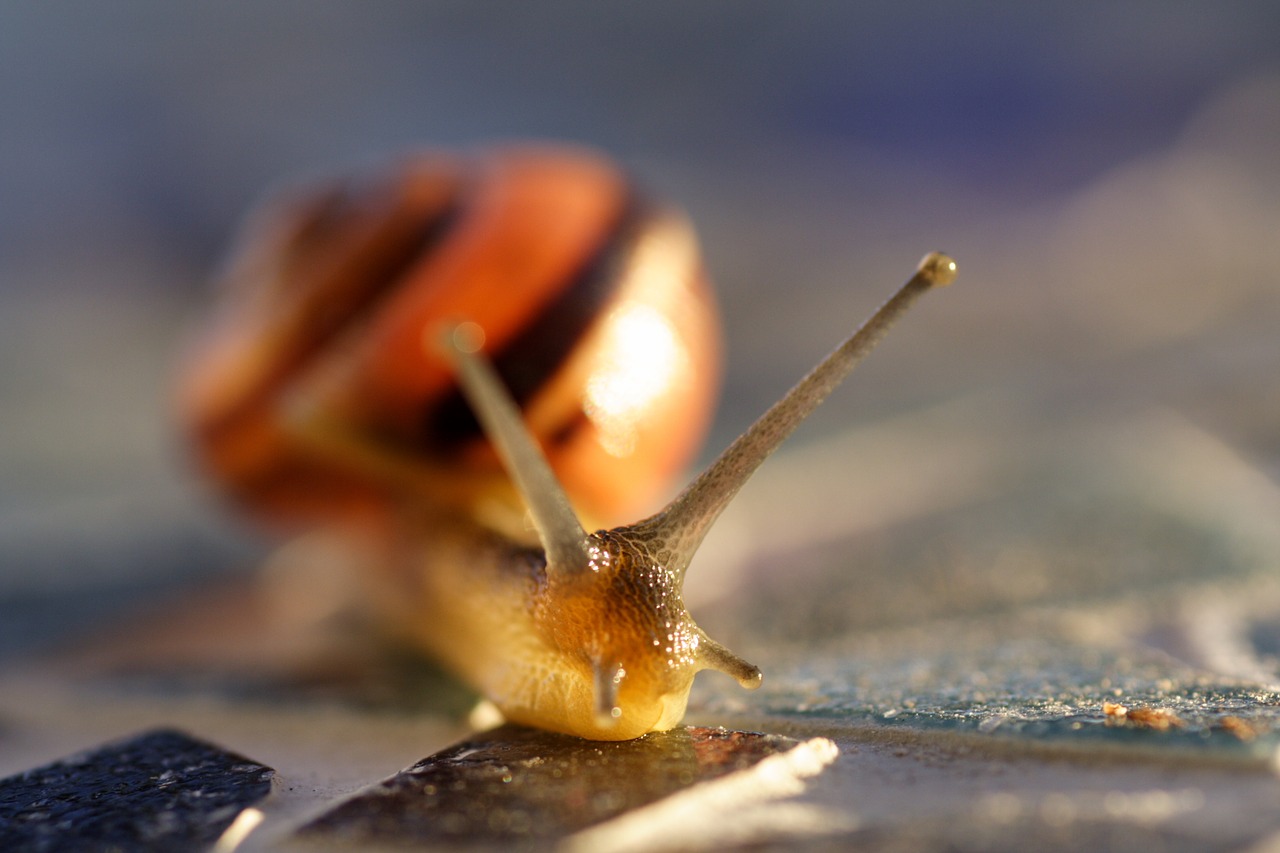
x=160 y=790
x=515 y=784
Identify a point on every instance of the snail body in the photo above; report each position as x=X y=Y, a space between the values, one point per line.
x=534 y=290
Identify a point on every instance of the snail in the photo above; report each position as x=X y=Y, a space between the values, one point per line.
x=373 y=334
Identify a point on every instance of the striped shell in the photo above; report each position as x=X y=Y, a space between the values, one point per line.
x=592 y=299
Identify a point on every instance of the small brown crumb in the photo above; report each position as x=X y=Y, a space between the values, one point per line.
x=1114 y=709
x=1243 y=729
x=1157 y=719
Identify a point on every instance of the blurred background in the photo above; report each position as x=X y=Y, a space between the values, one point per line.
x=1106 y=174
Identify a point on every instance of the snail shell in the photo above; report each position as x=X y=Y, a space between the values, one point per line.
x=592 y=299
x=366 y=331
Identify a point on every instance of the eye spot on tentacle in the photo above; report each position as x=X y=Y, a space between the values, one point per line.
x=467 y=336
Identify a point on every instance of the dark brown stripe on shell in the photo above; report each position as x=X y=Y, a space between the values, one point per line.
x=532 y=358
x=387 y=272
x=345 y=307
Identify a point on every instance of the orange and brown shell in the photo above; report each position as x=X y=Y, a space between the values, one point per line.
x=592 y=300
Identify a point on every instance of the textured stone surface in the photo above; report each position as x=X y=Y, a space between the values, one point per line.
x=1131 y=566
x=157 y=791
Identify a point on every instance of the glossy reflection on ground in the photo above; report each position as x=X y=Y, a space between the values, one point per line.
x=514 y=783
